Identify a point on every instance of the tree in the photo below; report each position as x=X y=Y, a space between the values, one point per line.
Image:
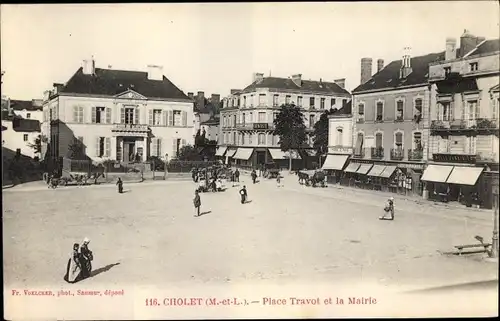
x=290 y=127
x=189 y=153
x=37 y=145
x=76 y=150
x=320 y=135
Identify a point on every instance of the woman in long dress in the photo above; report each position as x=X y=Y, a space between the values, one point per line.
x=74 y=268
x=86 y=257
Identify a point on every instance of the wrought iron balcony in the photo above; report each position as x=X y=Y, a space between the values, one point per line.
x=440 y=125
x=397 y=153
x=377 y=152
x=415 y=154
x=486 y=123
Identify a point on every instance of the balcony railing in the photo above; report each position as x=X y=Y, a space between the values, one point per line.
x=397 y=153
x=359 y=153
x=377 y=152
x=467 y=124
x=486 y=123
x=440 y=125
x=415 y=154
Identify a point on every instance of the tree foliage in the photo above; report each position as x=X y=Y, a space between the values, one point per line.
x=37 y=144
x=76 y=150
x=290 y=127
x=189 y=153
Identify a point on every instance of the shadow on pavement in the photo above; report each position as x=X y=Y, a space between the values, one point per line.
x=103 y=269
x=205 y=213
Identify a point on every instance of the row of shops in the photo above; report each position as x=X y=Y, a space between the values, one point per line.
x=468 y=184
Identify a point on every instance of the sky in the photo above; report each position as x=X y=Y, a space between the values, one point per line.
x=215 y=47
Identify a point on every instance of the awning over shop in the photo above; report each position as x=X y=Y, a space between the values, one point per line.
x=364 y=168
x=464 y=175
x=220 y=151
x=335 y=162
x=436 y=173
x=376 y=170
x=243 y=153
x=388 y=171
x=277 y=153
x=230 y=152
x=352 y=167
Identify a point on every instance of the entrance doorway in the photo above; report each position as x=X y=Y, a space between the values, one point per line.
x=261 y=157
x=128 y=150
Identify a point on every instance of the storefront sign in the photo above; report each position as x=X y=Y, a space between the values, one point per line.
x=412 y=166
x=454 y=158
x=340 y=150
x=260 y=125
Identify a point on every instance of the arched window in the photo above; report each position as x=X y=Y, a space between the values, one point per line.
x=234 y=137
x=398 y=140
x=262 y=139
x=340 y=136
x=417 y=141
x=242 y=139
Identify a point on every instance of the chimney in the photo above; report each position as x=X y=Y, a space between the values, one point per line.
x=215 y=99
x=191 y=95
x=380 y=64
x=89 y=67
x=405 y=64
x=57 y=88
x=200 y=100
x=297 y=79
x=257 y=77
x=340 y=82
x=366 y=69
x=451 y=49
x=155 y=72
x=467 y=42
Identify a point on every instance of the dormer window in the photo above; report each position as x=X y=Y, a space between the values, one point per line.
x=473 y=66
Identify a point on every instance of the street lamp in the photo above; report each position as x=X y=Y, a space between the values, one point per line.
x=494 y=241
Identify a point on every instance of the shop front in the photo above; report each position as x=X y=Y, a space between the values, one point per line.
x=282 y=159
x=220 y=152
x=230 y=156
x=334 y=165
x=242 y=157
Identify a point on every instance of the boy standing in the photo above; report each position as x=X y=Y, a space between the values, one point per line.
x=197 y=203
x=243 y=194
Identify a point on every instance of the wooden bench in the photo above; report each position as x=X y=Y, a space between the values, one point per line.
x=470 y=246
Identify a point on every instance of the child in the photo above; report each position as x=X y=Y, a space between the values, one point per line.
x=243 y=194
x=120 y=185
x=389 y=209
x=197 y=203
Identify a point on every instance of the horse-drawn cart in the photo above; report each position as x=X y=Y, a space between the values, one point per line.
x=271 y=170
x=312 y=178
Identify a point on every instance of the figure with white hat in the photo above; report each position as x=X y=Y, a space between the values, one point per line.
x=86 y=257
x=388 y=209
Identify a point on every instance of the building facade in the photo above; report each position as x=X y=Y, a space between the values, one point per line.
x=464 y=118
x=391 y=119
x=247 y=117
x=125 y=116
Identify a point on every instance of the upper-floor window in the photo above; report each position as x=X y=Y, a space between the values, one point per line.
x=262 y=139
x=340 y=136
x=262 y=117
x=417 y=141
x=237 y=102
x=250 y=139
x=250 y=117
x=234 y=120
x=156 y=117
x=444 y=111
x=28 y=115
x=361 y=112
x=77 y=114
x=262 y=99
x=398 y=140
x=242 y=139
x=275 y=100
x=399 y=110
x=311 y=102
x=299 y=101
x=322 y=103
x=251 y=100
x=473 y=66
x=177 y=118
x=447 y=70
x=25 y=137
x=244 y=101
x=379 y=140
x=494 y=111
x=417 y=110
x=472 y=112
x=243 y=118
x=379 y=111
x=332 y=102
x=288 y=99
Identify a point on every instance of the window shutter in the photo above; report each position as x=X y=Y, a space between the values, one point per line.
x=108 y=146
x=159 y=148
x=171 y=118
x=136 y=116
x=122 y=115
x=184 y=118
x=476 y=111
x=94 y=115
x=154 y=147
x=150 y=119
x=97 y=149
x=174 y=147
x=108 y=115
x=164 y=118
x=75 y=114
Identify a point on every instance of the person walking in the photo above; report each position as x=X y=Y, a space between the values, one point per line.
x=120 y=185
x=389 y=209
x=243 y=194
x=197 y=203
x=278 y=180
x=237 y=175
x=254 y=176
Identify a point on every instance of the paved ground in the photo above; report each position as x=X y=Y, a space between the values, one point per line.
x=290 y=235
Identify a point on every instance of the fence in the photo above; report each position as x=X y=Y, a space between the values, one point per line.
x=176 y=166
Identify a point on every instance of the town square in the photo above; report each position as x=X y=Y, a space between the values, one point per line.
x=234 y=161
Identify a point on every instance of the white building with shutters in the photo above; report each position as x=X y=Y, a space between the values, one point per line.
x=126 y=116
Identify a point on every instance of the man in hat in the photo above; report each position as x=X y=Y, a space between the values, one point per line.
x=197 y=203
x=243 y=194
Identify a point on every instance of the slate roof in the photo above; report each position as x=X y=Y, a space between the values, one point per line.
x=24 y=105
x=388 y=77
x=112 y=82
x=25 y=125
x=489 y=46
x=288 y=84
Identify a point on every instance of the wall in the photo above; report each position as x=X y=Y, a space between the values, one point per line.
x=389 y=126
x=347 y=131
x=34 y=114
x=14 y=140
